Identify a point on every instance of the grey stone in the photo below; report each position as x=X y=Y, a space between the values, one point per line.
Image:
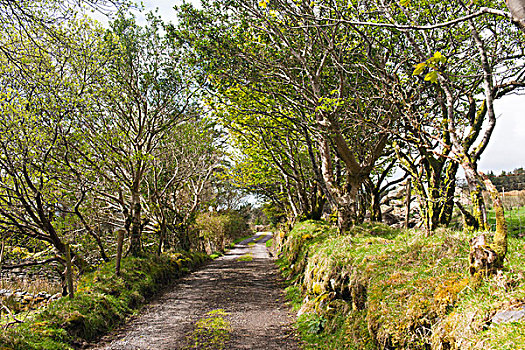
x=506 y=316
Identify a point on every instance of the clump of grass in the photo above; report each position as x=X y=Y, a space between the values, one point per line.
x=215 y=255
x=269 y=243
x=245 y=257
x=102 y=301
x=211 y=332
x=294 y=296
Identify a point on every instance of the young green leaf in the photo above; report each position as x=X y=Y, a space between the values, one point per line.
x=419 y=68
x=439 y=57
x=432 y=77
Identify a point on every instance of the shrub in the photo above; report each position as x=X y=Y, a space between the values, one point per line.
x=218 y=229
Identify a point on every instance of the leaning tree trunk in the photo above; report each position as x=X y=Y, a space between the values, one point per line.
x=449 y=190
x=500 y=236
x=376 y=214
x=485 y=258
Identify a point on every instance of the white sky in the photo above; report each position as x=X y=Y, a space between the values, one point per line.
x=506 y=150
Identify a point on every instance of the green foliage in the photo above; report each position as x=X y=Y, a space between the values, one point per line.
x=434 y=64
x=102 y=302
x=276 y=214
x=294 y=296
x=217 y=229
x=310 y=323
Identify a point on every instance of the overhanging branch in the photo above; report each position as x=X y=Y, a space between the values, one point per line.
x=480 y=12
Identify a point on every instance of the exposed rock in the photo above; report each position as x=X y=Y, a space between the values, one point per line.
x=513 y=315
x=20 y=300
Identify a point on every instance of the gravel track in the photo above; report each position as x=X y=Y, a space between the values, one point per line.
x=251 y=293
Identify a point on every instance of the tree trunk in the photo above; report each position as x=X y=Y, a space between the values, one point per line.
x=162 y=236
x=486 y=258
x=434 y=184
x=375 y=206
x=69 y=274
x=449 y=190
x=476 y=195
x=185 y=242
x=517 y=9
x=317 y=207
x=120 y=243
x=500 y=236
x=347 y=204
x=2 y=263
x=408 y=200
x=136 y=228
x=470 y=223
x=345 y=217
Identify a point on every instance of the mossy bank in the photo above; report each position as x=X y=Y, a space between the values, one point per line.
x=379 y=288
x=102 y=302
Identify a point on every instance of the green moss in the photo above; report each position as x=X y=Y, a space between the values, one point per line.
x=216 y=255
x=382 y=288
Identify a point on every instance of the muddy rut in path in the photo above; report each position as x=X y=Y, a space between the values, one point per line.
x=249 y=292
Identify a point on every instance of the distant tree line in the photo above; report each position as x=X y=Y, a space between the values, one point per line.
x=509 y=181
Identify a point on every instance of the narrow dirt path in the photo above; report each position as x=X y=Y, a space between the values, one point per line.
x=244 y=283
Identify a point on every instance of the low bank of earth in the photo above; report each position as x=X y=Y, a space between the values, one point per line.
x=235 y=302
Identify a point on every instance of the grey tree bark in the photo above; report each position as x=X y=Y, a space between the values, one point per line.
x=517 y=9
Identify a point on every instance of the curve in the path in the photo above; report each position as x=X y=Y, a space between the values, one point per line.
x=249 y=291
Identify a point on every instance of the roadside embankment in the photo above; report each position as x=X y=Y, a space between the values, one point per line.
x=102 y=301
x=379 y=288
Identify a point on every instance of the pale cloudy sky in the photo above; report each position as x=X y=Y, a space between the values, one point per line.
x=506 y=150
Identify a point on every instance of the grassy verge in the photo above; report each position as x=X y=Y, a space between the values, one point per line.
x=103 y=301
x=376 y=287
x=238 y=240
